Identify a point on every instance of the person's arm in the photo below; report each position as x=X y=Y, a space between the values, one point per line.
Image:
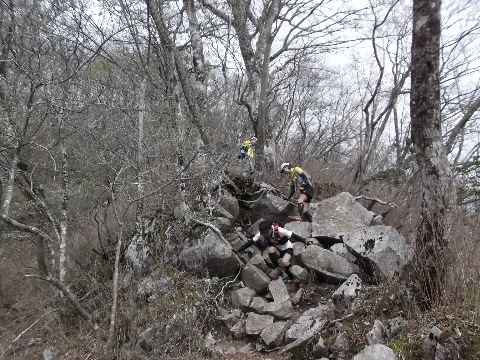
x=298 y=238
x=245 y=246
x=292 y=191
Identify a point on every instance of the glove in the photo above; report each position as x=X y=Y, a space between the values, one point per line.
x=289 y=198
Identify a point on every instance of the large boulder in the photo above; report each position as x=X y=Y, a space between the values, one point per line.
x=211 y=253
x=330 y=266
x=381 y=250
x=339 y=215
x=308 y=323
x=274 y=206
x=230 y=204
x=255 y=278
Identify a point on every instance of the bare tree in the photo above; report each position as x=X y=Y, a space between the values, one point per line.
x=438 y=189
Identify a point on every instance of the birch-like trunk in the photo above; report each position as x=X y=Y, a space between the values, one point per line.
x=438 y=188
x=64 y=218
x=141 y=150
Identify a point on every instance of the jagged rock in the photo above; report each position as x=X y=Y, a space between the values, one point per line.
x=298 y=249
x=300 y=273
x=377 y=352
x=230 y=204
x=279 y=291
x=339 y=215
x=238 y=330
x=430 y=343
x=219 y=211
x=246 y=350
x=258 y=304
x=140 y=249
x=238 y=313
x=382 y=250
x=212 y=254
x=223 y=224
x=320 y=349
x=259 y=263
x=341 y=345
x=281 y=310
x=270 y=204
x=297 y=297
x=331 y=267
x=256 y=323
x=255 y=278
x=308 y=323
x=210 y=341
x=301 y=228
x=348 y=291
x=341 y=249
x=48 y=353
x=229 y=320
x=273 y=334
x=377 y=334
x=395 y=326
x=242 y=298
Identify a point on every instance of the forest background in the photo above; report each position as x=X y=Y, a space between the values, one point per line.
x=114 y=110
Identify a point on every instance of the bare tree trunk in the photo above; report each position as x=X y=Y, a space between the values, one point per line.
x=64 y=217
x=141 y=150
x=438 y=190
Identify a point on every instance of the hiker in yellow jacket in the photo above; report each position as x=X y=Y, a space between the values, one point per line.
x=299 y=179
x=247 y=155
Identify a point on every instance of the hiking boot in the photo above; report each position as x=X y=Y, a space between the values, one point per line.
x=275 y=274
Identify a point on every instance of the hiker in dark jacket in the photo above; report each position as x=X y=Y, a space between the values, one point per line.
x=279 y=246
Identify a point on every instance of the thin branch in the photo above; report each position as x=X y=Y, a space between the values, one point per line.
x=376 y=200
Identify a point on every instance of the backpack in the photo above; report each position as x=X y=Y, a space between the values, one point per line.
x=242 y=152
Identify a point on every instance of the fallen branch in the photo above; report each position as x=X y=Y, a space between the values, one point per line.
x=303 y=340
x=261 y=191
x=376 y=200
x=24 y=331
x=224 y=286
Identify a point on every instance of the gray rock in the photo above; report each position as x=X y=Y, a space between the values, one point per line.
x=395 y=326
x=238 y=330
x=339 y=215
x=300 y=273
x=341 y=344
x=229 y=320
x=348 y=291
x=258 y=305
x=48 y=353
x=297 y=296
x=255 y=278
x=382 y=249
x=341 y=250
x=279 y=291
x=301 y=228
x=430 y=343
x=320 y=349
x=377 y=220
x=273 y=334
x=377 y=352
x=377 y=334
x=283 y=310
x=268 y=203
x=242 y=297
x=210 y=253
x=256 y=323
x=308 y=323
x=259 y=263
x=331 y=267
x=230 y=204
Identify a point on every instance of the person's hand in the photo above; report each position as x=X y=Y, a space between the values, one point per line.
x=311 y=242
x=289 y=198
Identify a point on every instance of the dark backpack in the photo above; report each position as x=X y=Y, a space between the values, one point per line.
x=242 y=152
